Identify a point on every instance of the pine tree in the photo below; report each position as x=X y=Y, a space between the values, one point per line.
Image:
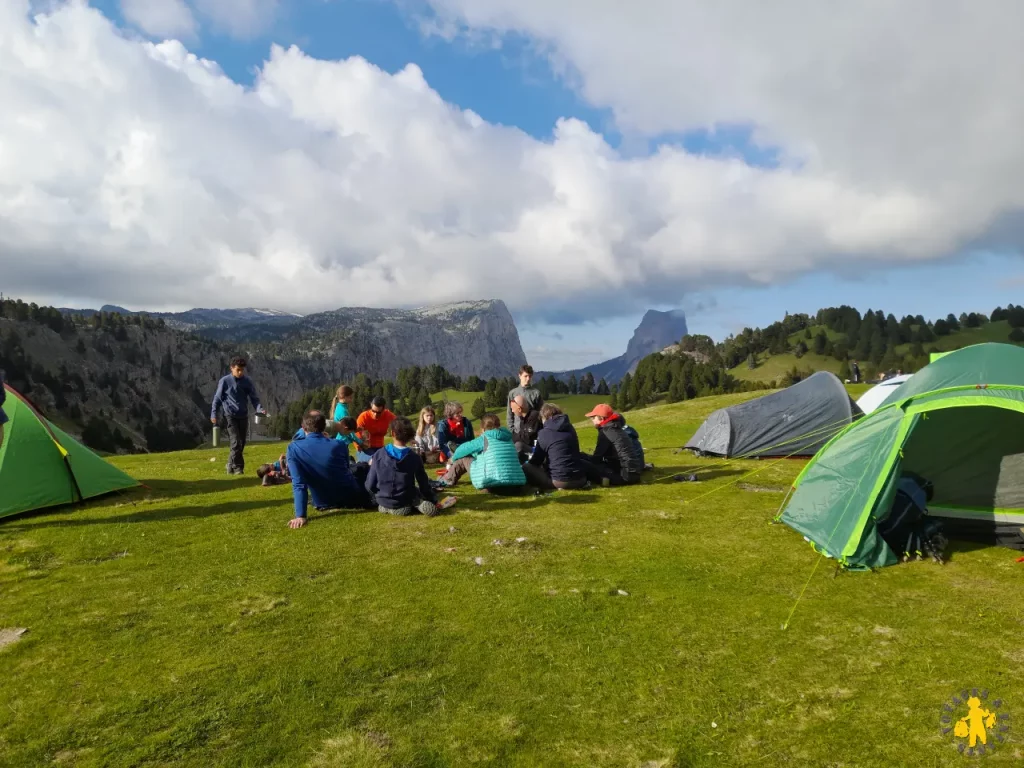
x=573 y=386
x=602 y=388
x=587 y=384
x=676 y=391
x=479 y=408
x=613 y=397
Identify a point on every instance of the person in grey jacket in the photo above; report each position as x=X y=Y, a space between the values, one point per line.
x=234 y=392
x=531 y=395
x=3 y=416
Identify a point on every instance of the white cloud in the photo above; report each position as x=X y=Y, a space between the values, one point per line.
x=240 y=18
x=139 y=174
x=160 y=18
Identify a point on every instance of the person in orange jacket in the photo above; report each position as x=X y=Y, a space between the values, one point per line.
x=376 y=422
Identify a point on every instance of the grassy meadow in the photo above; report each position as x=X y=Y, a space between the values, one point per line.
x=185 y=624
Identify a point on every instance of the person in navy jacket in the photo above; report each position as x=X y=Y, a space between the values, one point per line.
x=234 y=392
x=320 y=469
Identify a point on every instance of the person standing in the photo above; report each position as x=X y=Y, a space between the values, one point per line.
x=855 y=372
x=376 y=422
x=530 y=394
x=234 y=392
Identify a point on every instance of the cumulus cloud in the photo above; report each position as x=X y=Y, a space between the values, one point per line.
x=160 y=18
x=240 y=18
x=139 y=174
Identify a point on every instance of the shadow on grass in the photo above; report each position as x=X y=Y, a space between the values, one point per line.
x=664 y=474
x=173 y=487
x=144 y=513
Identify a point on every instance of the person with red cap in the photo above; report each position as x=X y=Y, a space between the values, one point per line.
x=616 y=459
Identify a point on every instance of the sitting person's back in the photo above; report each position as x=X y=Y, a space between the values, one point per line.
x=320 y=469
x=491 y=459
x=397 y=480
x=616 y=459
x=557 y=454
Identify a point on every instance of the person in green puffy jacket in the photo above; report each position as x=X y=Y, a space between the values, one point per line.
x=491 y=459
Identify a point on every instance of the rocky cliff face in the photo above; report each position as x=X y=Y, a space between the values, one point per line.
x=656 y=331
x=469 y=338
x=143 y=379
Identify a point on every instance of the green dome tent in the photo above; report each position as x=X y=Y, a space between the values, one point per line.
x=958 y=422
x=41 y=466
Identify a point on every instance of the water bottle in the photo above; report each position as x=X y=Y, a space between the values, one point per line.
x=216 y=436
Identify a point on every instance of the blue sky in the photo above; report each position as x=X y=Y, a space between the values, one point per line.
x=513 y=85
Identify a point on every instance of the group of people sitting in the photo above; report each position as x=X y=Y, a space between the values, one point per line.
x=538 y=451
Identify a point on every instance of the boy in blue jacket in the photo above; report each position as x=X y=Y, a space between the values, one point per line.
x=234 y=392
x=395 y=473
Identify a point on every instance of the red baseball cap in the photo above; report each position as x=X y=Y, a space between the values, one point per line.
x=602 y=410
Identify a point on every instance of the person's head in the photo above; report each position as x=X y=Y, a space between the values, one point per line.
x=378 y=404
x=525 y=375
x=314 y=422
x=348 y=424
x=427 y=419
x=344 y=394
x=238 y=366
x=519 y=405
x=549 y=411
x=601 y=413
x=263 y=470
x=489 y=421
x=453 y=410
x=402 y=431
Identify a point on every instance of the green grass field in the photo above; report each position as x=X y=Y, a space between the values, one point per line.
x=774 y=367
x=185 y=624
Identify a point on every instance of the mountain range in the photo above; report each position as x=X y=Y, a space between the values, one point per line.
x=657 y=330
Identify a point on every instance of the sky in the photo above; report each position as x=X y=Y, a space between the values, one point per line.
x=581 y=162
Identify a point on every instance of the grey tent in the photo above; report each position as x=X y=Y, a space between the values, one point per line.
x=797 y=421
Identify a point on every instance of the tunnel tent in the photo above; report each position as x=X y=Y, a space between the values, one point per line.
x=796 y=421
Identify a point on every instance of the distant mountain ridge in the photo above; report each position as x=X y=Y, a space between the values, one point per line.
x=657 y=330
x=466 y=338
x=201 y=318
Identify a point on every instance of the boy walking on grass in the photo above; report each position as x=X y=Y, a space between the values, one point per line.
x=397 y=480
x=234 y=392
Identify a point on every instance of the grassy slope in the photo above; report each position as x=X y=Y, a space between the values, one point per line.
x=773 y=367
x=193 y=627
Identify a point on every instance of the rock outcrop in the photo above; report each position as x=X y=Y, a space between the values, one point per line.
x=154 y=383
x=656 y=331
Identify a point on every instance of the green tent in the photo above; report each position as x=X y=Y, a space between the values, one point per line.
x=41 y=466
x=958 y=422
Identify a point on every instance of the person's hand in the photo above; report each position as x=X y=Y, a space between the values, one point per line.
x=296 y=522
x=213 y=420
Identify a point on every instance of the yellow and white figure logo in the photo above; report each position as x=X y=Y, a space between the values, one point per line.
x=976 y=724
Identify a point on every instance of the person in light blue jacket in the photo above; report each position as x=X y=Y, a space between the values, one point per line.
x=491 y=459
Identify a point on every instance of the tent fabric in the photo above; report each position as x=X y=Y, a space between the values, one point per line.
x=42 y=466
x=875 y=396
x=959 y=422
x=797 y=421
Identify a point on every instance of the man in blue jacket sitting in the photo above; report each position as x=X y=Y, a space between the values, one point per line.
x=320 y=468
x=232 y=396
